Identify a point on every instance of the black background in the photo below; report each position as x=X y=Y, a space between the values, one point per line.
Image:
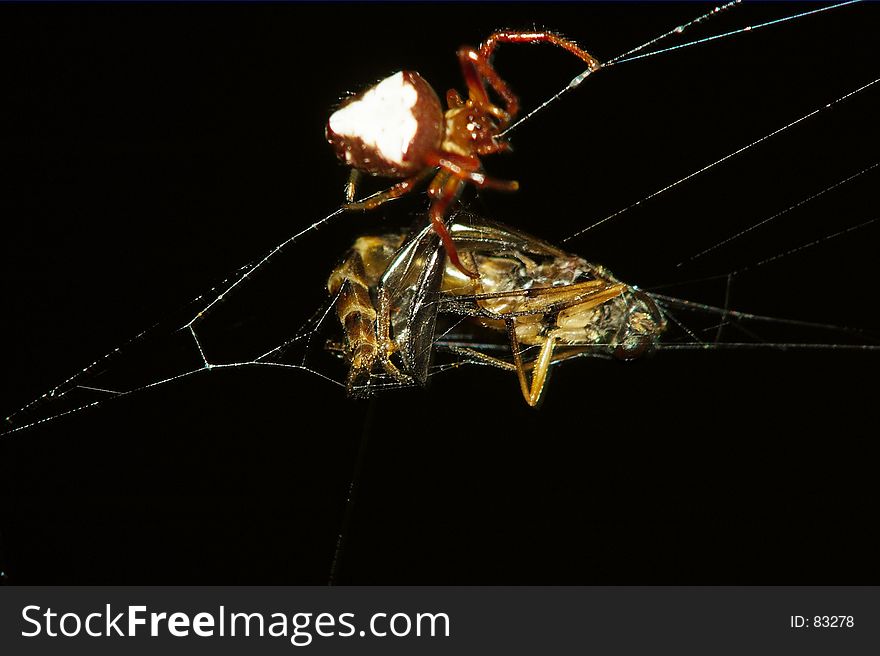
x=154 y=149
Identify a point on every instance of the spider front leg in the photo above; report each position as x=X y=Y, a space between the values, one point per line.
x=476 y=66
x=445 y=188
x=488 y=46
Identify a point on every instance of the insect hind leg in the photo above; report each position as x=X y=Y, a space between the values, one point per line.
x=531 y=391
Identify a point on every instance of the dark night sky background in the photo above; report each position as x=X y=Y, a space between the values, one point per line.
x=153 y=149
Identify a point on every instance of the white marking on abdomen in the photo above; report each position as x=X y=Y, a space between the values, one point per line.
x=382 y=118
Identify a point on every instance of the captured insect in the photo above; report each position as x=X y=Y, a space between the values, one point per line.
x=543 y=304
x=537 y=295
x=397 y=129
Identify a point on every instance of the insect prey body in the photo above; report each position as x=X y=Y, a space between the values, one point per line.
x=542 y=303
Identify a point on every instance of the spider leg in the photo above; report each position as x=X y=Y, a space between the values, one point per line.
x=475 y=68
x=531 y=392
x=482 y=357
x=395 y=191
x=444 y=189
x=468 y=168
x=488 y=46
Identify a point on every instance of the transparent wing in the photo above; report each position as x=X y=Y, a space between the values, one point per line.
x=409 y=287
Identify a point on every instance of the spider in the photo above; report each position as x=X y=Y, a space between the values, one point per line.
x=397 y=129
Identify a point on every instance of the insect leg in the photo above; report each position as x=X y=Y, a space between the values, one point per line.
x=531 y=392
x=498 y=363
x=482 y=357
x=475 y=68
x=476 y=63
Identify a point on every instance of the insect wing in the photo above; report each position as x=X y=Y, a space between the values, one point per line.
x=410 y=286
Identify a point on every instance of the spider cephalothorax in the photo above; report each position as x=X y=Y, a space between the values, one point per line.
x=398 y=129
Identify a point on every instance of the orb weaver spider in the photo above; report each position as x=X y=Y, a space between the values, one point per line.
x=397 y=129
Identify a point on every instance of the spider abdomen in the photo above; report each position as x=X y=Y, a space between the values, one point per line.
x=387 y=129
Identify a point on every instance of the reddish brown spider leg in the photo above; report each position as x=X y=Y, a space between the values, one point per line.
x=488 y=46
x=468 y=168
x=396 y=191
x=444 y=189
x=475 y=68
